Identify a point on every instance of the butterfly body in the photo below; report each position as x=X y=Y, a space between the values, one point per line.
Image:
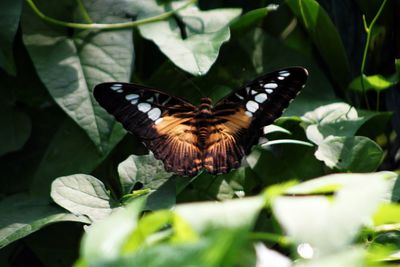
x=190 y=138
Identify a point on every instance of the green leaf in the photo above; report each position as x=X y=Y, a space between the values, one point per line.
x=251 y=19
x=353 y=154
x=336 y=119
x=374 y=82
x=61 y=157
x=16 y=129
x=325 y=37
x=70 y=64
x=82 y=195
x=144 y=169
x=127 y=172
x=328 y=225
x=206 y=32
x=23 y=215
x=103 y=241
x=10 y=11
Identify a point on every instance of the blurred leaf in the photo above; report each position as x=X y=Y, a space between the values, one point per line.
x=326 y=225
x=10 y=11
x=71 y=64
x=25 y=215
x=221 y=247
x=325 y=37
x=16 y=129
x=353 y=154
x=152 y=224
x=374 y=82
x=387 y=213
x=103 y=241
x=351 y=257
x=270 y=258
x=206 y=32
x=82 y=194
x=238 y=213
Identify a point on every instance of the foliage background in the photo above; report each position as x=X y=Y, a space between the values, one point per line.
x=52 y=128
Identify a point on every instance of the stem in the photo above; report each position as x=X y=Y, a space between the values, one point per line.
x=101 y=26
x=84 y=12
x=368 y=29
x=281 y=240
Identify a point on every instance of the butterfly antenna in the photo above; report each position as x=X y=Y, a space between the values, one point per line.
x=190 y=81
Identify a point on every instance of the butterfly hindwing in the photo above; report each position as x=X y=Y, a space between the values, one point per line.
x=161 y=121
x=243 y=114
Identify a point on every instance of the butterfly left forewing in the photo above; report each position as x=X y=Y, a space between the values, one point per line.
x=243 y=114
x=161 y=121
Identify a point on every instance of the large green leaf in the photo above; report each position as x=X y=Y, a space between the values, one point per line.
x=354 y=154
x=69 y=152
x=206 y=31
x=328 y=225
x=71 y=63
x=83 y=195
x=10 y=11
x=23 y=215
x=325 y=37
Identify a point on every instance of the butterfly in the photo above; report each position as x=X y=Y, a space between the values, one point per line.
x=189 y=138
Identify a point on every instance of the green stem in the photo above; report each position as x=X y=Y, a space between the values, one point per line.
x=281 y=240
x=368 y=29
x=101 y=26
x=84 y=12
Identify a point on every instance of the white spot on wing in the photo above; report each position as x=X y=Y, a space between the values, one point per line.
x=281 y=78
x=252 y=106
x=134 y=101
x=270 y=85
x=154 y=114
x=131 y=97
x=144 y=107
x=116 y=86
x=269 y=91
x=151 y=100
x=248 y=114
x=253 y=92
x=284 y=73
x=239 y=96
x=158 y=121
x=120 y=91
x=260 y=98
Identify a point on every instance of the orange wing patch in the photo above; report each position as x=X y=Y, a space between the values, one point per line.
x=222 y=153
x=177 y=146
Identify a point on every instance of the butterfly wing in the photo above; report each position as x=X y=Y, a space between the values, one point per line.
x=161 y=121
x=241 y=116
